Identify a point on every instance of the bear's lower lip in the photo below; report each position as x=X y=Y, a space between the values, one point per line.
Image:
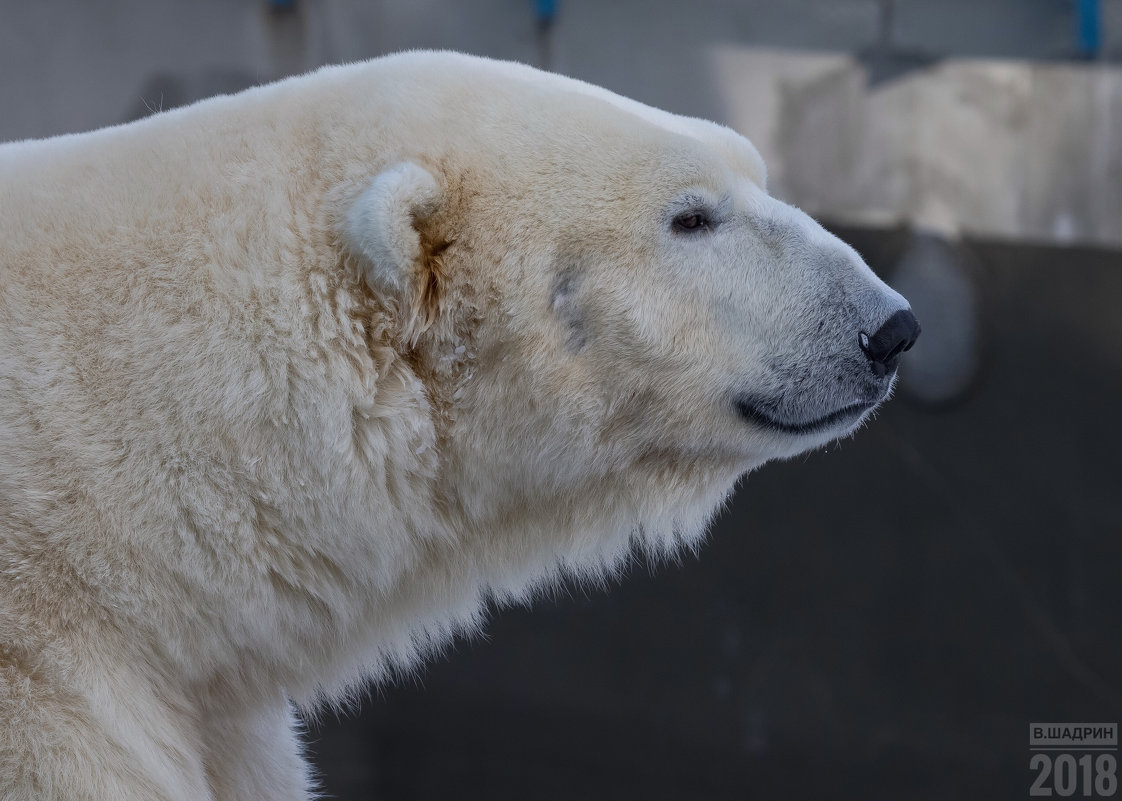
x=847 y=414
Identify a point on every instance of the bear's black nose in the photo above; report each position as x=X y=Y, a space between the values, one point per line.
x=883 y=348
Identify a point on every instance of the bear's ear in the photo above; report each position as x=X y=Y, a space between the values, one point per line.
x=388 y=228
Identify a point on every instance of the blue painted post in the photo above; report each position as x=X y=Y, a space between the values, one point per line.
x=1090 y=26
x=546 y=11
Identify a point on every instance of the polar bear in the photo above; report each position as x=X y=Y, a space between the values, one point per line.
x=294 y=383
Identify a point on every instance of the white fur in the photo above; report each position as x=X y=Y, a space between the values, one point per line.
x=233 y=469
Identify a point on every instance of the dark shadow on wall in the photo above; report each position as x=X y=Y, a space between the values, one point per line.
x=881 y=620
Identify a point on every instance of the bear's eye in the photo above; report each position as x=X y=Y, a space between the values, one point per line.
x=691 y=222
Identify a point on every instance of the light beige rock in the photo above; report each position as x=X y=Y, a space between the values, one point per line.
x=1021 y=150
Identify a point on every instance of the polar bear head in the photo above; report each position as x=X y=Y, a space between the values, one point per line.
x=603 y=300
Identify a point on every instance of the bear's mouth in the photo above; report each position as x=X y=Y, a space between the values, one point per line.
x=847 y=415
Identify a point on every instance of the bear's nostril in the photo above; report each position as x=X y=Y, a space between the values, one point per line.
x=895 y=336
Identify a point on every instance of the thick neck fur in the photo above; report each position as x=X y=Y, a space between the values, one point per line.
x=265 y=486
